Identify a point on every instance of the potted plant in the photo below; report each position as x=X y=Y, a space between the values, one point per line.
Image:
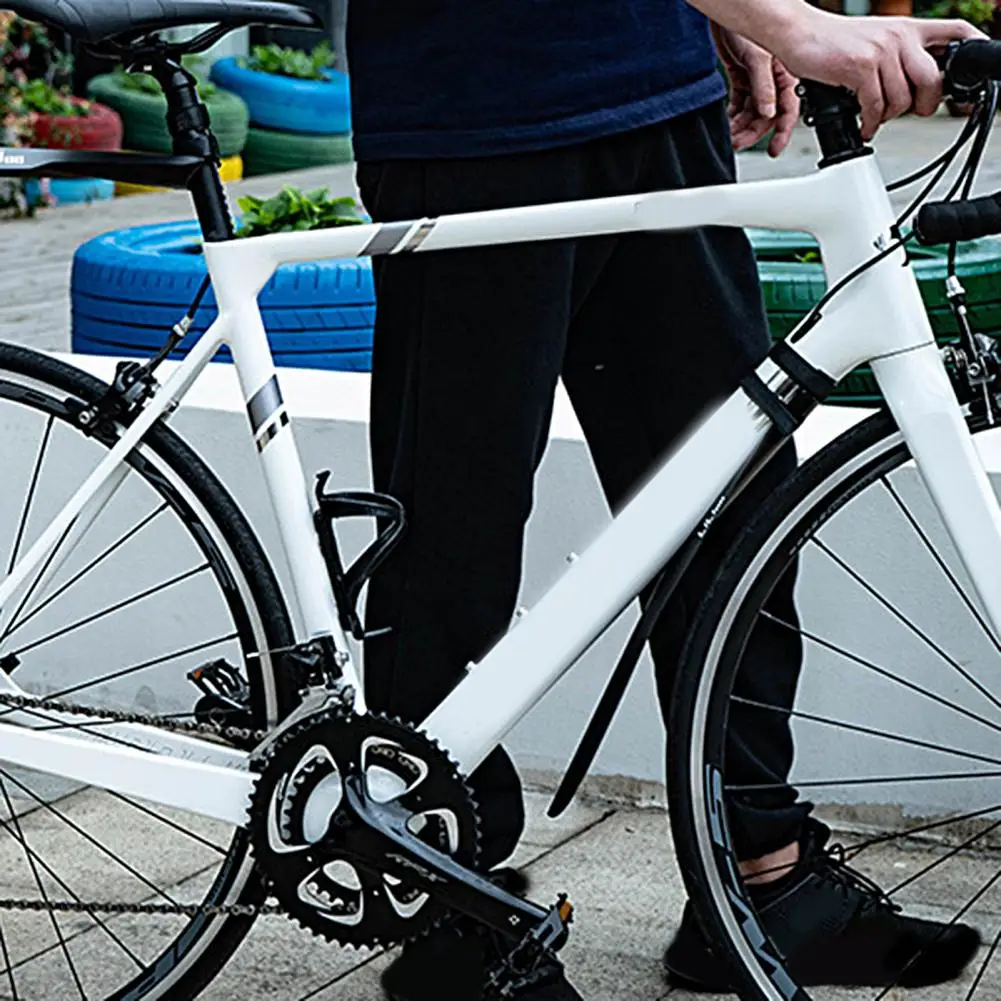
x=57 y=120
x=17 y=49
x=38 y=110
x=317 y=314
x=290 y=90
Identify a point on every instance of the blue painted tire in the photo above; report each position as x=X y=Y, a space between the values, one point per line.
x=129 y=287
x=330 y=361
x=71 y=190
x=279 y=102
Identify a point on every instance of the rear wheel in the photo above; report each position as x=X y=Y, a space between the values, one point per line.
x=167 y=578
x=895 y=721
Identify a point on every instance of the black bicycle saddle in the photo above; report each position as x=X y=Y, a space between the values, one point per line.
x=98 y=20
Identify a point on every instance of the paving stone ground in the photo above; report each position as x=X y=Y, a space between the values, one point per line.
x=617 y=863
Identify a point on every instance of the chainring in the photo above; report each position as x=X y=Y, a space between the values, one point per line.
x=296 y=799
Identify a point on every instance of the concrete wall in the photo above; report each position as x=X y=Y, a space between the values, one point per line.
x=329 y=413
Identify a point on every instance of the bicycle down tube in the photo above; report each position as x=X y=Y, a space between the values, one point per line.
x=880 y=316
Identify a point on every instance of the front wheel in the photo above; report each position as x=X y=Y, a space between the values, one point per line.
x=841 y=667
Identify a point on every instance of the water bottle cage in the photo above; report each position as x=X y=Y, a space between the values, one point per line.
x=347 y=583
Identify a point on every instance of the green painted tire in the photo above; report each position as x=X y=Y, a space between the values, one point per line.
x=271 y=152
x=791 y=286
x=145 y=117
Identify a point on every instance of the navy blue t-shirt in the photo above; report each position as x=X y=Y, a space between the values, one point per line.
x=455 y=78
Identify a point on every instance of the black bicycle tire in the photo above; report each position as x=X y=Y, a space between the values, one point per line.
x=686 y=820
x=266 y=594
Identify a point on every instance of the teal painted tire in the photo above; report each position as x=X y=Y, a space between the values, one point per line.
x=144 y=117
x=270 y=152
x=791 y=286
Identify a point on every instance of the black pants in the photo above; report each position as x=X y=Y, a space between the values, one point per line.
x=647 y=331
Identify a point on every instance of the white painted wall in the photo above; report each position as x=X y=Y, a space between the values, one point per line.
x=329 y=413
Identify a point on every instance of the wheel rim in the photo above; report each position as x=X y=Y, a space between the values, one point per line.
x=123 y=851
x=889 y=828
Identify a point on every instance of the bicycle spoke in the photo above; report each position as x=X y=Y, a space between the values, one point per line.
x=9 y=969
x=110 y=738
x=111 y=609
x=167 y=821
x=933 y=552
x=79 y=575
x=142 y=666
x=39 y=577
x=935 y=863
x=117 y=859
x=41 y=890
x=878 y=780
x=853 y=851
x=945 y=927
x=984 y=965
x=76 y=897
x=868 y=731
x=29 y=499
x=930 y=643
x=882 y=672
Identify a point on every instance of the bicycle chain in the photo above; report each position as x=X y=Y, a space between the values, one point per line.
x=232 y=733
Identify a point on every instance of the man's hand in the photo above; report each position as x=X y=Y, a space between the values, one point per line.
x=762 y=93
x=885 y=60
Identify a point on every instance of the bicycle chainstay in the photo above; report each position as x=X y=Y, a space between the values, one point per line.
x=218 y=730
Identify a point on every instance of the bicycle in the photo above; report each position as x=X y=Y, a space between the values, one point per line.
x=360 y=827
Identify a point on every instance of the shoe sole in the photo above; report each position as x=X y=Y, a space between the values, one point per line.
x=681 y=982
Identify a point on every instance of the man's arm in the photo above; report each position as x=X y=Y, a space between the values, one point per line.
x=885 y=60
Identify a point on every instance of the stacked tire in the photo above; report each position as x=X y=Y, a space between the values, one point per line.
x=295 y=124
x=793 y=281
x=130 y=287
x=144 y=119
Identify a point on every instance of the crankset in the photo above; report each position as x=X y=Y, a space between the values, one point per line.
x=368 y=835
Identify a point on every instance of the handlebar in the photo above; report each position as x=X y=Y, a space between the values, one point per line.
x=969 y=65
x=966 y=66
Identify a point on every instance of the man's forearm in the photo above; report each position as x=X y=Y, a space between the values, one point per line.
x=770 y=23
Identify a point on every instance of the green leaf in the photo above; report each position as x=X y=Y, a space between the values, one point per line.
x=293 y=210
x=291 y=62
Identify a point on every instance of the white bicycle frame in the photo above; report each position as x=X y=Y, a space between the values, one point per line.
x=879 y=319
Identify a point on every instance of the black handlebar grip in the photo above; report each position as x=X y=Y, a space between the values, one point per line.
x=968 y=64
x=951 y=222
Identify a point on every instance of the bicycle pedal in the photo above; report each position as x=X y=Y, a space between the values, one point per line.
x=533 y=963
x=225 y=701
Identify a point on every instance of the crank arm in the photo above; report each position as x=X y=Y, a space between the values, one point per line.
x=375 y=835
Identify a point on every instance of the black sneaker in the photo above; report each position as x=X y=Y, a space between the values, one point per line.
x=836 y=928
x=451 y=963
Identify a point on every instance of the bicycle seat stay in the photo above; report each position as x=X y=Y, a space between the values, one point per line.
x=100 y=20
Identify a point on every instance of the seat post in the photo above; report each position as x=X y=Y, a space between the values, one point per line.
x=191 y=132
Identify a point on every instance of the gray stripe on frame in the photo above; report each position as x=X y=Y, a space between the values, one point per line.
x=387 y=239
x=265 y=402
x=417 y=240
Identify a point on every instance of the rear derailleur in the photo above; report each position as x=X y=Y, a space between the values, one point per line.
x=367 y=834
